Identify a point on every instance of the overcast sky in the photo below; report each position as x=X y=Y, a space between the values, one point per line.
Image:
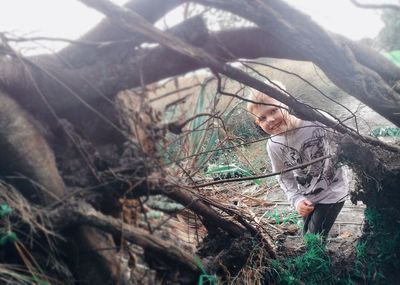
x=342 y=17
x=70 y=19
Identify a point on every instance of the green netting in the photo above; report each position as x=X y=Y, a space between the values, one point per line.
x=386 y=132
x=205 y=278
x=229 y=170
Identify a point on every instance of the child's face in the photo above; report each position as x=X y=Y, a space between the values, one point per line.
x=272 y=119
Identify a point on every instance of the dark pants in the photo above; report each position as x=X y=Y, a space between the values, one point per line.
x=321 y=220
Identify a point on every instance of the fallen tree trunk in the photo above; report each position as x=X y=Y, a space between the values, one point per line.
x=378 y=177
x=26 y=156
x=339 y=65
x=82 y=91
x=81 y=213
x=90 y=82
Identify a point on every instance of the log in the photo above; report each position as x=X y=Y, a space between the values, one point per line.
x=26 y=155
x=81 y=213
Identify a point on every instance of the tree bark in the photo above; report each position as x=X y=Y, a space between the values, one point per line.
x=111 y=38
x=133 y=22
x=333 y=57
x=26 y=155
x=81 y=213
x=80 y=82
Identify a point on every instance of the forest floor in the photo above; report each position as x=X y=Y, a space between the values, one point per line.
x=268 y=205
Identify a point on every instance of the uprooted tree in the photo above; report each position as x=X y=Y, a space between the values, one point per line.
x=69 y=165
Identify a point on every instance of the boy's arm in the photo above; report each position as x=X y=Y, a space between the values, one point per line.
x=289 y=185
x=287 y=181
x=305 y=207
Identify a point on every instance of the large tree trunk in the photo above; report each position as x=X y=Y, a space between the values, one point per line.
x=60 y=130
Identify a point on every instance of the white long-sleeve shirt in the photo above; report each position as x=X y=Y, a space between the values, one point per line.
x=320 y=182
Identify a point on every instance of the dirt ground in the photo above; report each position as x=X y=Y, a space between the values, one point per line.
x=268 y=206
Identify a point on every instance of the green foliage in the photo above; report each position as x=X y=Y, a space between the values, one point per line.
x=283 y=217
x=196 y=137
x=313 y=267
x=4 y=210
x=360 y=251
x=242 y=124
x=204 y=142
x=389 y=36
x=378 y=252
x=376 y=255
x=6 y=236
x=394 y=56
x=202 y=134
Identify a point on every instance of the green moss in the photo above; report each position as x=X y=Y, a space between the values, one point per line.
x=378 y=252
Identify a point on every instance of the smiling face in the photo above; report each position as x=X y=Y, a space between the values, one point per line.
x=272 y=119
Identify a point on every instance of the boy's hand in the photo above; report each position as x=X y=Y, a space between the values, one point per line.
x=304 y=208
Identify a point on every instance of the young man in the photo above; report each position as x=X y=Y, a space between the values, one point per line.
x=316 y=191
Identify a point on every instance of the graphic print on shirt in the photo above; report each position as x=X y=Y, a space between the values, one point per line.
x=316 y=177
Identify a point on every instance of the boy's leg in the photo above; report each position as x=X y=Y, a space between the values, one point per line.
x=322 y=218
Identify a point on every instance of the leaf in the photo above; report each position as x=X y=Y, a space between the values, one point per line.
x=8 y=237
x=5 y=210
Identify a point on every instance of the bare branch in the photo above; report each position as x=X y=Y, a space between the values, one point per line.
x=263 y=175
x=330 y=55
x=177 y=126
x=152 y=10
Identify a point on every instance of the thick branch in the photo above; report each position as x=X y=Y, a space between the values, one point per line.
x=373 y=60
x=62 y=86
x=24 y=151
x=298 y=30
x=78 y=55
x=378 y=173
x=108 y=76
x=84 y=214
x=133 y=22
x=200 y=208
x=81 y=95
